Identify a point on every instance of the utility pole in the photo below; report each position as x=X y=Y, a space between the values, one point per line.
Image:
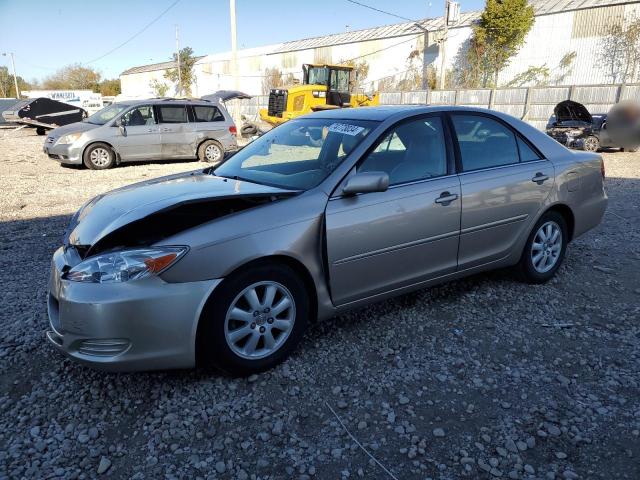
x=443 y=43
x=178 y=63
x=15 y=76
x=234 y=44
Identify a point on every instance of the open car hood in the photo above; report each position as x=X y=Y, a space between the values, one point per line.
x=572 y=111
x=146 y=212
x=225 y=95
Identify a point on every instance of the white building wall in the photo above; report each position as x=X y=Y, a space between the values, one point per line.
x=138 y=85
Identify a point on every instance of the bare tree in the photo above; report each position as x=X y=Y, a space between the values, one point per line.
x=620 y=51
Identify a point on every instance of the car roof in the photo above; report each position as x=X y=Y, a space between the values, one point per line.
x=167 y=101
x=381 y=113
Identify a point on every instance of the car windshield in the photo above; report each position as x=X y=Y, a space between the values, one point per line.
x=297 y=155
x=109 y=113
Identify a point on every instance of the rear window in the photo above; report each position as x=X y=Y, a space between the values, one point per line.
x=172 y=113
x=206 y=113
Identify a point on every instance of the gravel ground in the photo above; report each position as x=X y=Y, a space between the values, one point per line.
x=480 y=378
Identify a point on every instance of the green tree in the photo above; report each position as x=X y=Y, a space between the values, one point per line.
x=186 y=76
x=7 y=84
x=110 y=88
x=496 y=39
x=159 y=88
x=73 y=77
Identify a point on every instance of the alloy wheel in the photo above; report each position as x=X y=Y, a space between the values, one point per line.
x=100 y=157
x=546 y=247
x=212 y=153
x=259 y=320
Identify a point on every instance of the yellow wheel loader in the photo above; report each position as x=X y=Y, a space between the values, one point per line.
x=323 y=87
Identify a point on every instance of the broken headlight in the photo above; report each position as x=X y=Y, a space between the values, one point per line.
x=125 y=265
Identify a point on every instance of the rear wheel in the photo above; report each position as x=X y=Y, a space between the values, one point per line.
x=545 y=249
x=210 y=151
x=254 y=320
x=591 y=144
x=99 y=156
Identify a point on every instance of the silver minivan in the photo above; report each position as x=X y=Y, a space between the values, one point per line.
x=154 y=129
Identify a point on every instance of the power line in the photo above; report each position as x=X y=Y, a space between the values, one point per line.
x=136 y=34
x=381 y=11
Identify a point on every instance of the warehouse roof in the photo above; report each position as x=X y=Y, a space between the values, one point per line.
x=153 y=67
x=542 y=7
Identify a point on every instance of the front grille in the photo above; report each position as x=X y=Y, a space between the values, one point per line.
x=108 y=347
x=277 y=103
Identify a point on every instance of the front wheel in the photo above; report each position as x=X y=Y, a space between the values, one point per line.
x=99 y=156
x=545 y=249
x=591 y=144
x=255 y=320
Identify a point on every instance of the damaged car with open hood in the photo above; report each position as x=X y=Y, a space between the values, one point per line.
x=575 y=127
x=228 y=265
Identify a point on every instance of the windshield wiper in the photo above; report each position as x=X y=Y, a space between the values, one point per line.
x=237 y=178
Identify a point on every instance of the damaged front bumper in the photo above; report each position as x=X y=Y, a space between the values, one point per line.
x=68 y=154
x=145 y=324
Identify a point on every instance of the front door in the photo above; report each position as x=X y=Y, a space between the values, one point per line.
x=139 y=137
x=504 y=182
x=377 y=242
x=177 y=133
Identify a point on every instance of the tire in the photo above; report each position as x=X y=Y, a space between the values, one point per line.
x=218 y=347
x=210 y=151
x=41 y=131
x=591 y=144
x=537 y=272
x=99 y=156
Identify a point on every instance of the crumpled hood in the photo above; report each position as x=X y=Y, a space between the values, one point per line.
x=109 y=212
x=72 y=128
x=571 y=111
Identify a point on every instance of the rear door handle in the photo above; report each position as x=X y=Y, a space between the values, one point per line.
x=540 y=178
x=446 y=198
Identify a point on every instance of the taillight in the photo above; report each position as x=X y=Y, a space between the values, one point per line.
x=233 y=130
x=602 y=168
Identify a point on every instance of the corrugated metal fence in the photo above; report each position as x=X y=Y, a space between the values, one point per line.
x=533 y=104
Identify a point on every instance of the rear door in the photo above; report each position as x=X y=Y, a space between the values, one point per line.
x=380 y=241
x=176 y=131
x=504 y=182
x=139 y=137
x=209 y=122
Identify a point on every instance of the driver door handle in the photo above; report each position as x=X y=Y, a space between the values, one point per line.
x=540 y=178
x=446 y=198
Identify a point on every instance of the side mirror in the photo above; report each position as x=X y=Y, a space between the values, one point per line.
x=366 y=182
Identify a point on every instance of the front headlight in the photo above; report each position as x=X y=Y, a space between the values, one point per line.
x=125 y=265
x=69 y=138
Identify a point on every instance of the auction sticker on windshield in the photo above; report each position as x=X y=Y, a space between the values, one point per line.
x=346 y=129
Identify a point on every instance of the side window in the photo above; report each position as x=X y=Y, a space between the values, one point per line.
x=484 y=142
x=207 y=114
x=412 y=151
x=172 y=113
x=527 y=154
x=138 y=116
x=339 y=80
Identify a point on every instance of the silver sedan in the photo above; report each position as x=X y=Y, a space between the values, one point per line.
x=228 y=265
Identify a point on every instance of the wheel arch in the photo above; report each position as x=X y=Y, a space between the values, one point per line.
x=568 y=215
x=293 y=263
x=93 y=142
